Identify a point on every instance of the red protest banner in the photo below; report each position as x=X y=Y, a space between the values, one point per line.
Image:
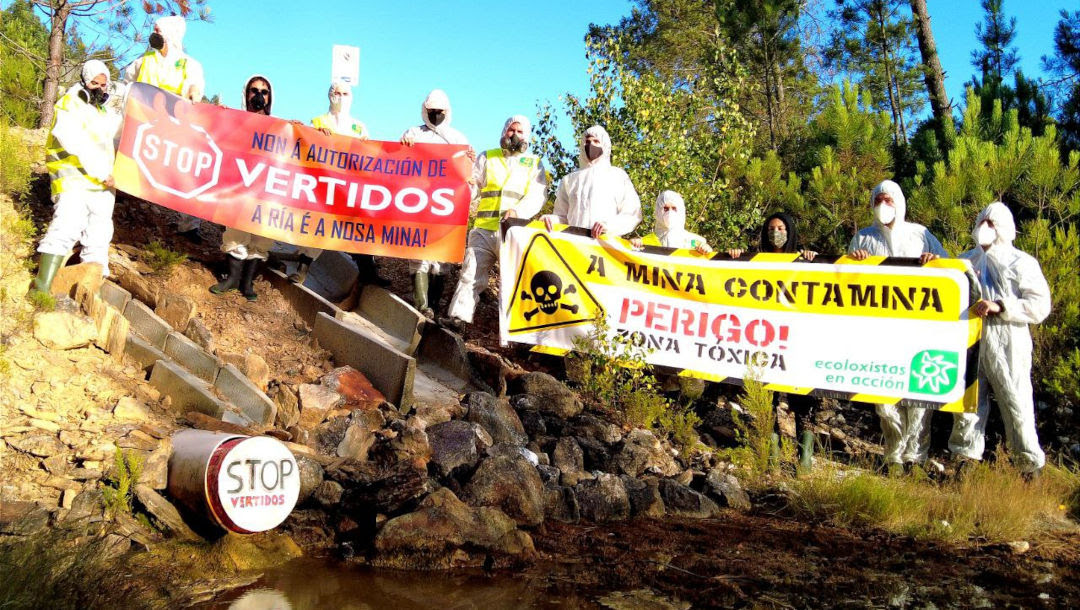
x=292 y=183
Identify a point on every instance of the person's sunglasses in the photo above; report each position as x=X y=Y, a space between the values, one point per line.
x=253 y=91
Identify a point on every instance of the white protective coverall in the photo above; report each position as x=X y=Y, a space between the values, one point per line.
x=176 y=72
x=339 y=121
x=234 y=242
x=669 y=227
x=906 y=430
x=429 y=133
x=518 y=169
x=1015 y=281
x=79 y=156
x=597 y=192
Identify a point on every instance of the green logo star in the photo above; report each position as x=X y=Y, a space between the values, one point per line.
x=934 y=372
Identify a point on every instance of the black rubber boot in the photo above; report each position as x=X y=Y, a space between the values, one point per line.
x=368 y=271
x=438 y=286
x=247 y=279
x=232 y=281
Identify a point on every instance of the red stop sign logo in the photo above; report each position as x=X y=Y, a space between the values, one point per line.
x=177 y=158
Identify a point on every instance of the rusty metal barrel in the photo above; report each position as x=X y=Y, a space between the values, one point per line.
x=240 y=483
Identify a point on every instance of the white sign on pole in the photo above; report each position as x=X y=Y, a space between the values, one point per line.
x=346 y=64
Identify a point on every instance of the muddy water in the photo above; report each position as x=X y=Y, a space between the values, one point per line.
x=321 y=583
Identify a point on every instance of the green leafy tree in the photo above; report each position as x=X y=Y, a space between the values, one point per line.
x=24 y=40
x=872 y=43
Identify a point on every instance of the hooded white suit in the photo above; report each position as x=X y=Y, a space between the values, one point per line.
x=598 y=192
x=906 y=430
x=1015 y=281
x=429 y=133
x=669 y=228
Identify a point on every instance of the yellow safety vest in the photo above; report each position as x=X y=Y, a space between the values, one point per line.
x=508 y=181
x=170 y=76
x=326 y=121
x=65 y=169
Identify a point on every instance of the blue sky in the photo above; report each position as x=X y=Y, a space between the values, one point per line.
x=493 y=58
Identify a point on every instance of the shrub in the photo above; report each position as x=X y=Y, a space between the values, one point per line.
x=118 y=489
x=14 y=163
x=161 y=259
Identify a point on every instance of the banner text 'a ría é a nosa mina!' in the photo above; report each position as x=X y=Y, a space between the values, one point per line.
x=292 y=183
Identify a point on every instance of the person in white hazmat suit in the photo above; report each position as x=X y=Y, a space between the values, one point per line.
x=511 y=183
x=669 y=226
x=429 y=279
x=1014 y=295
x=337 y=120
x=79 y=155
x=165 y=65
x=244 y=250
x=906 y=430
x=598 y=196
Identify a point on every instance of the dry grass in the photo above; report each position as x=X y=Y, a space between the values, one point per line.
x=991 y=503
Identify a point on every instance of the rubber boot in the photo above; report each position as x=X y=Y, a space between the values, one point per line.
x=438 y=286
x=368 y=271
x=806 y=450
x=421 y=281
x=774 y=450
x=247 y=279
x=232 y=281
x=302 y=266
x=48 y=265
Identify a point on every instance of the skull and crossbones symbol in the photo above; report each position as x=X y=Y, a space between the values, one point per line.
x=546 y=290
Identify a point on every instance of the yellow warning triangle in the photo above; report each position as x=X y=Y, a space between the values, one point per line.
x=547 y=293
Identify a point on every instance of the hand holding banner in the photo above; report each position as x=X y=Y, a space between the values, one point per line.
x=292 y=183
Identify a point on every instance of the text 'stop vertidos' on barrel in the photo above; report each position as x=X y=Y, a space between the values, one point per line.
x=243 y=484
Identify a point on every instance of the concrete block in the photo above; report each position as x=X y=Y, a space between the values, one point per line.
x=140 y=350
x=235 y=417
x=389 y=370
x=115 y=295
x=445 y=352
x=332 y=275
x=238 y=389
x=303 y=301
x=393 y=315
x=147 y=323
x=188 y=392
x=192 y=357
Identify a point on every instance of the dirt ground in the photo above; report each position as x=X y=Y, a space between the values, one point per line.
x=761 y=560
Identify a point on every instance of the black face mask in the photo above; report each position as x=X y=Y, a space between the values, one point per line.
x=436 y=117
x=97 y=97
x=514 y=143
x=593 y=152
x=257 y=102
x=157 y=41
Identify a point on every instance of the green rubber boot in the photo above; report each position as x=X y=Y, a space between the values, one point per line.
x=48 y=265
x=421 y=281
x=806 y=450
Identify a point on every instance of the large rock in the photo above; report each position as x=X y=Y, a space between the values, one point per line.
x=642 y=452
x=552 y=396
x=40 y=445
x=129 y=408
x=561 y=504
x=311 y=476
x=316 y=402
x=603 y=498
x=354 y=388
x=511 y=484
x=456 y=444
x=64 y=330
x=200 y=334
x=726 y=488
x=590 y=426
x=358 y=440
x=165 y=514
x=570 y=461
x=442 y=525
x=155 y=471
x=176 y=309
x=682 y=501
x=411 y=442
x=288 y=407
x=495 y=416
x=88 y=274
x=644 y=494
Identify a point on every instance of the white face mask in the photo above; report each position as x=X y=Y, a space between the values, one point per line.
x=340 y=104
x=885 y=213
x=985 y=235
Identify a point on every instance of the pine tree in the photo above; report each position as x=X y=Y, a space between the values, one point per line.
x=997 y=58
x=872 y=42
x=1064 y=66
